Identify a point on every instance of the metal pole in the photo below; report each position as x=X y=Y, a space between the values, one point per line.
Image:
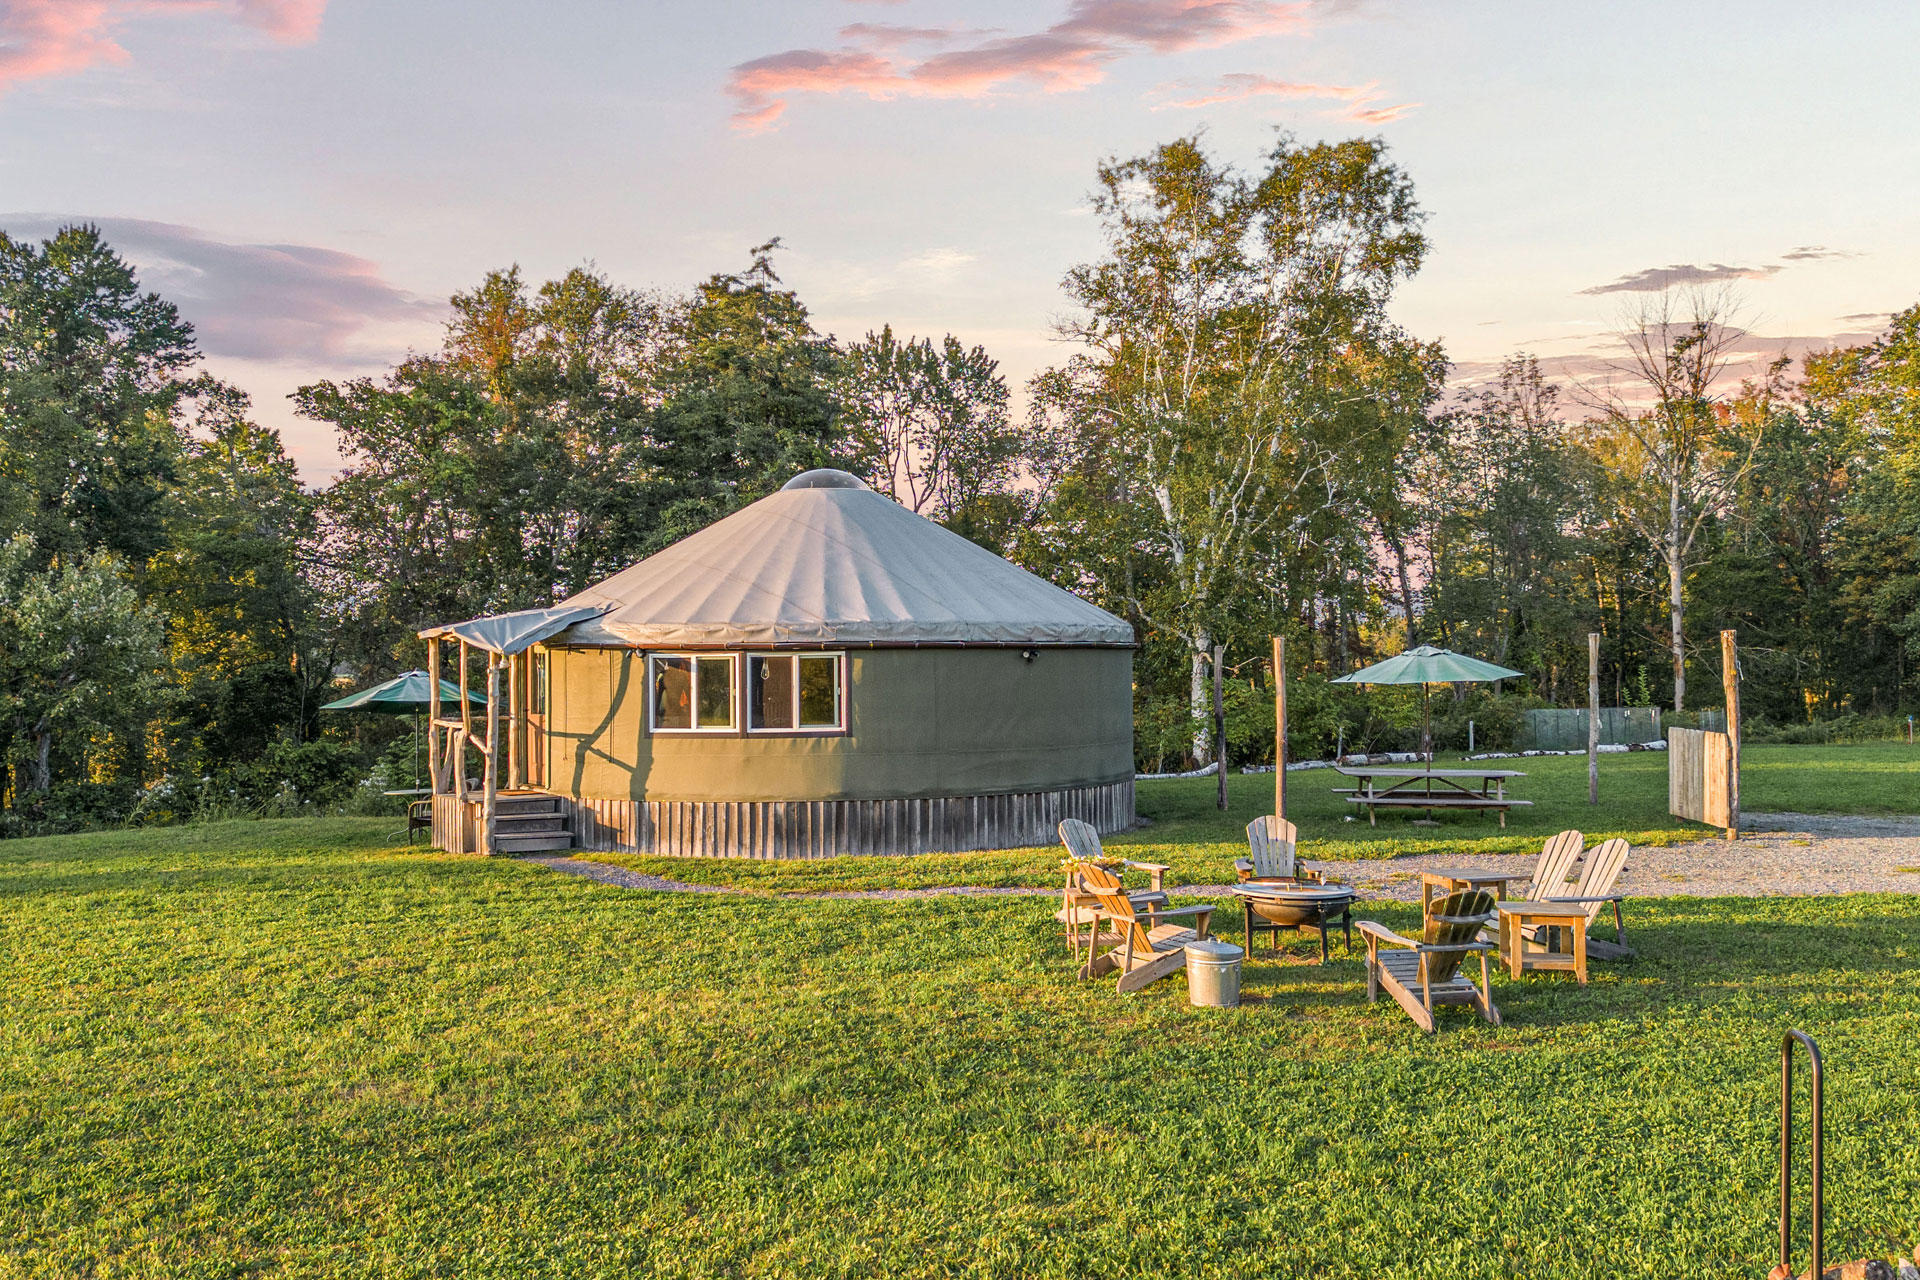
x=1815 y=1091
x=1593 y=717
x=1220 y=721
x=1730 y=679
x=1280 y=727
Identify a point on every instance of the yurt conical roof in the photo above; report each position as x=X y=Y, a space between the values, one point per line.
x=828 y=561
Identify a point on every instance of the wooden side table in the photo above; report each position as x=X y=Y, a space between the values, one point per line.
x=1448 y=879
x=1521 y=956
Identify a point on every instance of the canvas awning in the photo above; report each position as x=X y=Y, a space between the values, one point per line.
x=828 y=561
x=511 y=633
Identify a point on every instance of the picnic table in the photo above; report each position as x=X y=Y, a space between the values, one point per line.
x=1414 y=789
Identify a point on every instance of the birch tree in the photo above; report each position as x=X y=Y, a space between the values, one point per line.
x=1675 y=453
x=1239 y=369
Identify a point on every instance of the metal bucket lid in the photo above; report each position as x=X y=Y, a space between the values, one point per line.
x=1212 y=951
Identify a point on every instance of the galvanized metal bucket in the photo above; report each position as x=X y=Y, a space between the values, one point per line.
x=1213 y=973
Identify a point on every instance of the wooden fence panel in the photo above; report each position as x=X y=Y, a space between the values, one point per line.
x=1699 y=776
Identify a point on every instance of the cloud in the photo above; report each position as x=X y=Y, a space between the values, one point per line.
x=1654 y=279
x=887 y=35
x=1816 y=253
x=1867 y=317
x=1238 y=86
x=45 y=38
x=258 y=301
x=1067 y=56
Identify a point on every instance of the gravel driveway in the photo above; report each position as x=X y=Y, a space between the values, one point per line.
x=1781 y=854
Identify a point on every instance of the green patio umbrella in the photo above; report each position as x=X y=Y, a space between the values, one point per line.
x=1423 y=666
x=407 y=693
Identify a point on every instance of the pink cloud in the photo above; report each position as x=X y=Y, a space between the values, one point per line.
x=45 y=38
x=1067 y=56
x=1239 y=86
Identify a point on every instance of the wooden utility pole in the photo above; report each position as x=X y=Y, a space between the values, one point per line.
x=1220 y=721
x=1730 y=679
x=1593 y=717
x=1280 y=726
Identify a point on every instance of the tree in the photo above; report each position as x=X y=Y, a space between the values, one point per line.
x=91 y=372
x=1240 y=372
x=746 y=402
x=929 y=424
x=1675 y=456
x=1494 y=488
x=80 y=660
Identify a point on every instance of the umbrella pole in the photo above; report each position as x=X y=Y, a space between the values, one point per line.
x=416 y=748
x=1426 y=725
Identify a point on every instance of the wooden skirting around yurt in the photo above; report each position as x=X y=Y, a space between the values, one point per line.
x=829 y=828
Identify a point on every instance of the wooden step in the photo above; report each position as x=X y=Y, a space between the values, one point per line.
x=540 y=843
x=512 y=804
x=521 y=824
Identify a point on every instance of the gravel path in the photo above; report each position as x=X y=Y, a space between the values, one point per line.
x=1788 y=854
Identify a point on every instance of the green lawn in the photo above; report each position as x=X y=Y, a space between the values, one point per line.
x=282 y=1048
x=1190 y=834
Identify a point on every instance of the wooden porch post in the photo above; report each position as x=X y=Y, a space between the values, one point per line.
x=433 y=714
x=490 y=788
x=466 y=729
x=516 y=688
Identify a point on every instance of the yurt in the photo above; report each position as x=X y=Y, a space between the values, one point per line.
x=822 y=672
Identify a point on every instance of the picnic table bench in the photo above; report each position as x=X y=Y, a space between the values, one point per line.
x=1414 y=789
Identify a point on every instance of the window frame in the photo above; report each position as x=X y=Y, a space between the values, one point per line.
x=835 y=730
x=736 y=702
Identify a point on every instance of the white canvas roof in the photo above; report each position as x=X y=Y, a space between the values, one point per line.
x=828 y=561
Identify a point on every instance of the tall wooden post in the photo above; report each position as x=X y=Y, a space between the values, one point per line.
x=466 y=730
x=433 y=714
x=1220 y=721
x=490 y=786
x=1593 y=717
x=515 y=778
x=1280 y=727
x=1730 y=679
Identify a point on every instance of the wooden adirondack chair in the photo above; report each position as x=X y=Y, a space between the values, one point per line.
x=1271 y=843
x=1597 y=877
x=1148 y=949
x=1078 y=904
x=1554 y=871
x=1427 y=974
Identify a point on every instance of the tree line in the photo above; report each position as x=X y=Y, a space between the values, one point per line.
x=1242 y=443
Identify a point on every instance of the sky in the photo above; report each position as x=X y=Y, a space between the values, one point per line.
x=311 y=179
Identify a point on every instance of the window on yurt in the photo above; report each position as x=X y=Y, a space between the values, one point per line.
x=692 y=691
x=789 y=692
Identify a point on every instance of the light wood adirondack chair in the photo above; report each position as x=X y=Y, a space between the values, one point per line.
x=1271 y=844
x=1078 y=904
x=1598 y=875
x=1148 y=949
x=1427 y=974
x=1554 y=871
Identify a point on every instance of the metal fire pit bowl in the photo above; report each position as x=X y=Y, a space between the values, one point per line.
x=1287 y=905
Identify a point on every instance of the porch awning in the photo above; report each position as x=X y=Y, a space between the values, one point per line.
x=510 y=633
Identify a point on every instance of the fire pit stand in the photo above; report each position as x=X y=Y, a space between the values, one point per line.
x=1273 y=905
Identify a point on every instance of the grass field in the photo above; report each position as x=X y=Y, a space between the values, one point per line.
x=283 y=1049
x=1199 y=842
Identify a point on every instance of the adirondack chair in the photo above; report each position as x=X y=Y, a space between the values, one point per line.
x=1271 y=842
x=1427 y=975
x=1554 y=870
x=1148 y=949
x=1597 y=877
x=1078 y=904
